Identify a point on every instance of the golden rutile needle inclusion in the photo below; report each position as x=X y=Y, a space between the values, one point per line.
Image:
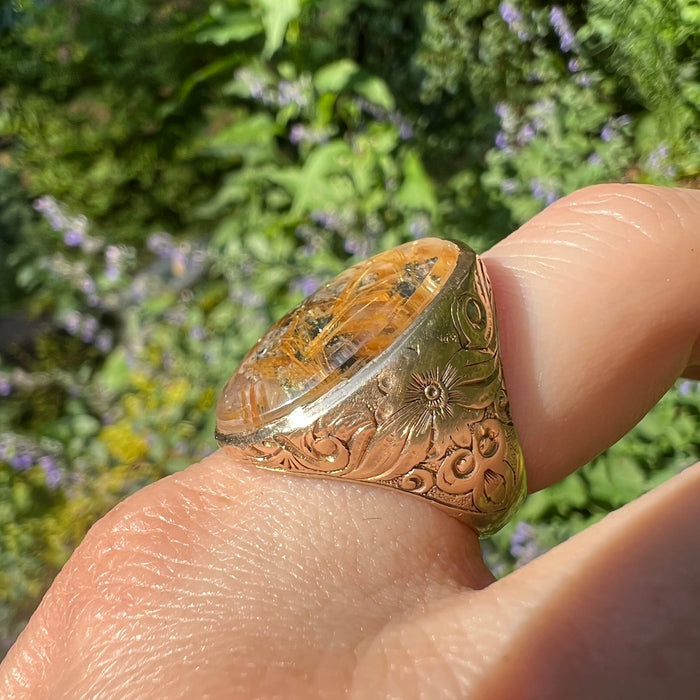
x=335 y=332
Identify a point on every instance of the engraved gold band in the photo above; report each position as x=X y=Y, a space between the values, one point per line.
x=428 y=415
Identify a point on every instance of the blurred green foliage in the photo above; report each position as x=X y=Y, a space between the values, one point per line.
x=176 y=175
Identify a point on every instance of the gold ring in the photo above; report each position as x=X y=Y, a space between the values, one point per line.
x=390 y=374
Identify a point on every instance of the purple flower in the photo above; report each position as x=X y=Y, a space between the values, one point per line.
x=658 y=160
x=5 y=386
x=687 y=386
x=42 y=204
x=198 y=333
x=567 y=42
x=56 y=221
x=512 y=16
x=509 y=13
x=255 y=86
x=357 y=247
x=537 y=189
x=326 y=219
x=501 y=140
x=71 y=322
x=161 y=244
x=308 y=285
x=113 y=261
x=607 y=133
x=574 y=65
x=113 y=255
x=297 y=134
x=502 y=111
x=104 y=341
x=544 y=194
x=291 y=93
x=88 y=328
x=73 y=238
x=525 y=134
x=558 y=20
x=302 y=134
x=561 y=26
x=51 y=471
x=88 y=286
x=48 y=207
x=523 y=544
x=21 y=461
x=594 y=159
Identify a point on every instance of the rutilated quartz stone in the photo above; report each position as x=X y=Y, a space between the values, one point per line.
x=334 y=332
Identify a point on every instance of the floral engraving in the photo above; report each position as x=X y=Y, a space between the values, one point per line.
x=429 y=396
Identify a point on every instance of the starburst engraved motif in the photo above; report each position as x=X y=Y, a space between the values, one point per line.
x=429 y=396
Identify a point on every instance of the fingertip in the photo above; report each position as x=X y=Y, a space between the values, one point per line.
x=598 y=303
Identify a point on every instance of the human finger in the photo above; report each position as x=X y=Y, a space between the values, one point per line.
x=598 y=301
x=614 y=612
x=225 y=581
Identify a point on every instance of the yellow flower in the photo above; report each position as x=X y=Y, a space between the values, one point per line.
x=176 y=392
x=206 y=400
x=123 y=443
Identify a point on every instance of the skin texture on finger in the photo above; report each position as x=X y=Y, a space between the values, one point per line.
x=612 y=613
x=598 y=302
x=228 y=582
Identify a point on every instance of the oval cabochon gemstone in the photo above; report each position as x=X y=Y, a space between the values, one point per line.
x=334 y=332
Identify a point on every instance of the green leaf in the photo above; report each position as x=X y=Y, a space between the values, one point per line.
x=238 y=26
x=251 y=138
x=336 y=76
x=691 y=92
x=315 y=185
x=276 y=16
x=615 y=481
x=562 y=497
x=376 y=91
x=85 y=426
x=26 y=275
x=204 y=74
x=232 y=191
x=114 y=375
x=416 y=191
x=21 y=497
x=690 y=12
